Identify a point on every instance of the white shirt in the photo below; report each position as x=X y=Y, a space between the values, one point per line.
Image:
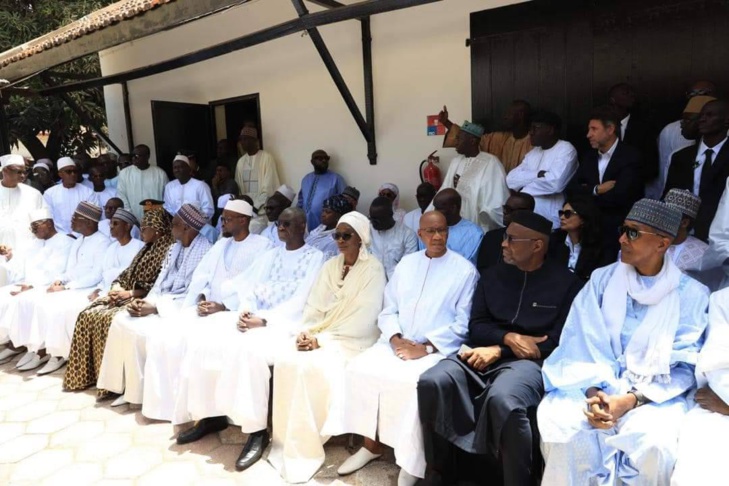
x=116 y=260
x=136 y=185
x=193 y=192
x=321 y=239
x=412 y=219
x=559 y=163
x=603 y=159
x=624 y=126
x=102 y=197
x=257 y=177
x=63 y=202
x=700 y=158
x=390 y=246
x=574 y=253
x=16 y=205
x=41 y=262
x=83 y=269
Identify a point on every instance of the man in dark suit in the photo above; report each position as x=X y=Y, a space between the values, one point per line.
x=703 y=168
x=634 y=131
x=611 y=174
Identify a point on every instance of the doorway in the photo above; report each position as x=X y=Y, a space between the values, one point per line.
x=232 y=114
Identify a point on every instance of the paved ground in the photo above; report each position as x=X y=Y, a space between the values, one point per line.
x=56 y=438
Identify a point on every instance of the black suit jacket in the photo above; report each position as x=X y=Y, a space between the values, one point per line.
x=642 y=136
x=625 y=169
x=681 y=176
x=589 y=259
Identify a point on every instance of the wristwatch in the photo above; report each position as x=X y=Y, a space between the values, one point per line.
x=429 y=349
x=640 y=398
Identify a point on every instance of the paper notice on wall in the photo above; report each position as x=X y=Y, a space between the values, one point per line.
x=435 y=127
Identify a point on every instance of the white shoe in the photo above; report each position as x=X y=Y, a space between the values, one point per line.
x=55 y=363
x=119 y=401
x=7 y=354
x=33 y=363
x=26 y=358
x=406 y=479
x=357 y=461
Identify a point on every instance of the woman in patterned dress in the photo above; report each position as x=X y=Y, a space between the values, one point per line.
x=92 y=325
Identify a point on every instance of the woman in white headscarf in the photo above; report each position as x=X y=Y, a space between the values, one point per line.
x=392 y=192
x=340 y=321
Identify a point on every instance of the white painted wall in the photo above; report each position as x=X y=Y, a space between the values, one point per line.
x=420 y=63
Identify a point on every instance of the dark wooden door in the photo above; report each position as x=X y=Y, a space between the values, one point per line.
x=564 y=55
x=181 y=126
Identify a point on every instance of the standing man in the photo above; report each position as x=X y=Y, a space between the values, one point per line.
x=703 y=169
x=187 y=190
x=317 y=186
x=611 y=174
x=464 y=237
x=101 y=193
x=391 y=240
x=616 y=385
x=424 y=194
x=255 y=173
x=423 y=320
x=42 y=178
x=65 y=197
x=547 y=168
x=479 y=178
x=141 y=181
x=481 y=399
x=509 y=146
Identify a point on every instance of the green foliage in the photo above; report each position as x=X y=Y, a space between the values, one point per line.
x=22 y=21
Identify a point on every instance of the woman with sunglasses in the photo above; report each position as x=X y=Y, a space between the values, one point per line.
x=578 y=243
x=340 y=321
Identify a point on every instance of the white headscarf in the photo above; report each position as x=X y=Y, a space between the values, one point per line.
x=396 y=190
x=361 y=225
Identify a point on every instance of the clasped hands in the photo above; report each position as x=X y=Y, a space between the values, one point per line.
x=205 y=308
x=56 y=286
x=21 y=288
x=306 y=342
x=709 y=400
x=406 y=349
x=604 y=411
x=117 y=297
x=141 y=308
x=247 y=321
x=7 y=252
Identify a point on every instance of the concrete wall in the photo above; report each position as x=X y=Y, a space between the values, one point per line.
x=420 y=63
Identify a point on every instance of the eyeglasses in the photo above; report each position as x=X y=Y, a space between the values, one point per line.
x=282 y=224
x=510 y=239
x=225 y=219
x=435 y=231
x=342 y=236
x=567 y=213
x=633 y=234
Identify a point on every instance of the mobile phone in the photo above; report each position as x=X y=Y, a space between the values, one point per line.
x=463 y=349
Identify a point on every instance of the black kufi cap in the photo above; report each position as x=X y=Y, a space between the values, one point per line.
x=533 y=221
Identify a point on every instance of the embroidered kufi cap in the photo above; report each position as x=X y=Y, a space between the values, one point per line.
x=192 y=216
x=89 y=210
x=686 y=201
x=656 y=214
x=126 y=216
x=473 y=129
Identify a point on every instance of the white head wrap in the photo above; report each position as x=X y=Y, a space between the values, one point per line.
x=239 y=206
x=12 y=159
x=361 y=225
x=287 y=192
x=182 y=158
x=40 y=215
x=64 y=162
x=41 y=165
x=223 y=200
x=395 y=189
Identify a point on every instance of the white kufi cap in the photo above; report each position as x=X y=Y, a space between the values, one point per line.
x=40 y=215
x=287 y=192
x=64 y=162
x=182 y=158
x=239 y=206
x=12 y=159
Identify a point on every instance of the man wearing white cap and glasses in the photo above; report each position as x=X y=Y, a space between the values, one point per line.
x=82 y=272
x=17 y=200
x=184 y=189
x=63 y=198
x=124 y=356
x=34 y=266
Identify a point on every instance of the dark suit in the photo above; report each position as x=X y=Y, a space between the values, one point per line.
x=589 y=259
x=643 y=137
x=681 y=176
x=489 y=252
x=625 y=169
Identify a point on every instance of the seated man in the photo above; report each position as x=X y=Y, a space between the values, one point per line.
x=164 y=298
x=352 y=195
x=547 y=168
x=391 y=240
x=122 y=368
x=701 y=448
x=686 y=251
x=54 y=315
x=617 y=382
x=33 y=267
x=105 y=224
x=464 y=237
x=185 y=189
x=83 y=273
x=322 y=237
x=480 y=400
x=424 y=194
x=490 y=251
x=275 y=205
x=217 y=370
x=424 y=319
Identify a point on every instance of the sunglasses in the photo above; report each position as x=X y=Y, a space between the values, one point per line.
x=633 y=234
x=282 y=224
x=567 y=214
x=342 y=236
x=510 y=239
x=435 y=231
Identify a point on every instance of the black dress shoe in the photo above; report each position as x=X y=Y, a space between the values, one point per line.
x=202 y=428
x=253 y=450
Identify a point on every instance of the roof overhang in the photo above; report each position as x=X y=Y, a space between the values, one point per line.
x=116 y=24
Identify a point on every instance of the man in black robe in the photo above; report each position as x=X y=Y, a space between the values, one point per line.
x=481 y=400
